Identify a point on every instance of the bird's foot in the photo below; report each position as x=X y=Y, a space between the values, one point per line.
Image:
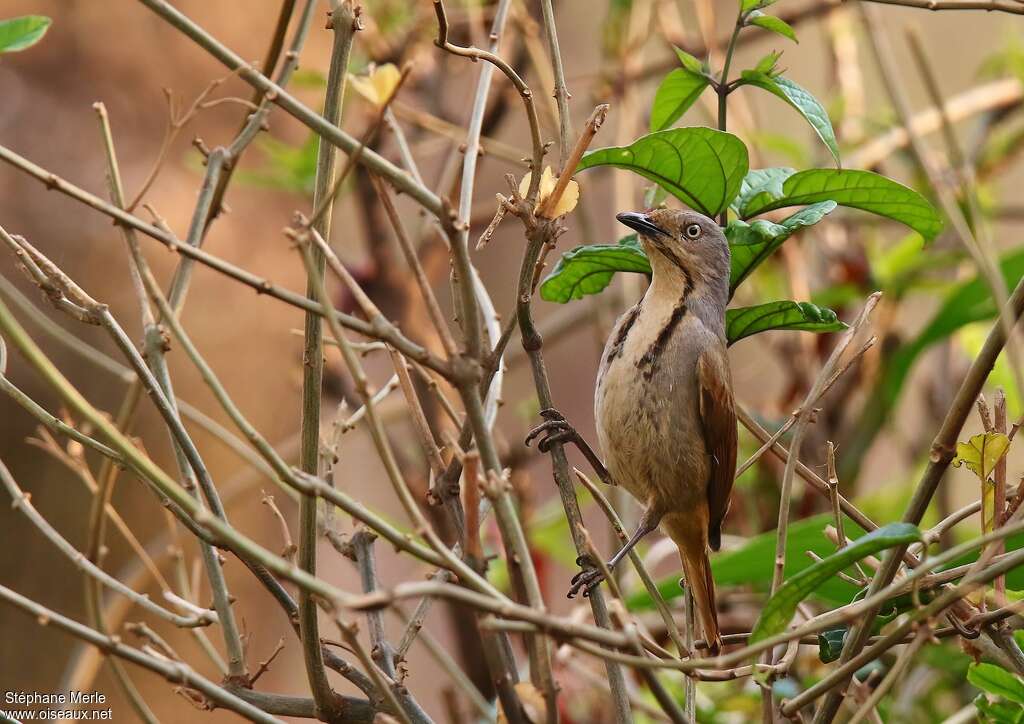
x=586 y=580
x=555 y=428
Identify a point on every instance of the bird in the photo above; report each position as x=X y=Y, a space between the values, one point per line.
x=663 y=402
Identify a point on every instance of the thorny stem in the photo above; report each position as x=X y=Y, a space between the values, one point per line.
x=942 y=452
x=987 y=5
x=800 y=430
x=280 y=468
x=445 y=660
x=387 y=333
x=344 y=26
x=21 y=502
x=275 y=93
x=450 y=560
x=331 y=594
x=365 y=558
x=253 y=123
x=803 y=420
x=456 y=227
x=977 y=240
x=108 y=470
x=173 y=672
x=539 y=233
x=641 y=571
x=154 y=352
x=67 y=295
x=315 y=487
x=561 y=93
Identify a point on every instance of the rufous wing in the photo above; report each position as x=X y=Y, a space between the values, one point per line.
x=718 y=418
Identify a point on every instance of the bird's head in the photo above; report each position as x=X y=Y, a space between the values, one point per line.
x=683 y=244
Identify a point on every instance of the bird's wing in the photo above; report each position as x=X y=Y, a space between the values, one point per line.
x=718 y=418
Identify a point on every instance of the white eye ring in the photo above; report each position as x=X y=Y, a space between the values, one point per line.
x=693 y=231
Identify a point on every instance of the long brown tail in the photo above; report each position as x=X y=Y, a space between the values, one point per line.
x=697 y=569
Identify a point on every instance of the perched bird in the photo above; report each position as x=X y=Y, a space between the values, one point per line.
x=663 y=405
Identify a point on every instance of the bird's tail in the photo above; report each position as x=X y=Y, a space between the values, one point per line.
x=693 y=553
x=697 y=569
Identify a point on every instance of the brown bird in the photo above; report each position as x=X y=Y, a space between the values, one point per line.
x=664 y=406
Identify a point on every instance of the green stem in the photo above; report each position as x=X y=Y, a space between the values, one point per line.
x=532 y=343
x=724 y=90
x=343 y=25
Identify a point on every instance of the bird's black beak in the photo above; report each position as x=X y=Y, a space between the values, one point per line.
x=640 y=223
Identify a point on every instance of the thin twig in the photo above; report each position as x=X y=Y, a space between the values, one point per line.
x=174 y=672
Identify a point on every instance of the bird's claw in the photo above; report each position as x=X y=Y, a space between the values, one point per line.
x=555 y=428
x=585 y=581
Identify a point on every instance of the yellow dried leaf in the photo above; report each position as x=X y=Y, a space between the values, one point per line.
x=981 y=453
x=377 y=85
x=533 y=703
x=566 y=202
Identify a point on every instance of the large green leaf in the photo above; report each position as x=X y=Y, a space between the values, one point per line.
x=801 y=100
x=752 y=243
x=589 y=269
x=676 y=93
x=760 y=185
x=780 y=608
x=969 y=302
x=864 y=190
x=996 y=680
x=701 y=167
x=22 y=32
x=751 y=563
x=783 y=314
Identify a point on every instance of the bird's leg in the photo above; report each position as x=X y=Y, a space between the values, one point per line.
x=557 y=429
x=587 y=580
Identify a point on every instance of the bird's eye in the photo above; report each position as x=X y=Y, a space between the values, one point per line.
x=693 y=231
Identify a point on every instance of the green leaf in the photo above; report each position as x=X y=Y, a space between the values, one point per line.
x=689 y=62
x=677 y=92
x=981 y=453
x=783 y=314
x=760 y=186
x=804 y=103
x=862 y=190
x=752 y=243
x=995 y=680
x=751 y=564
x=701 y=167
x=22 y=32
x=589 y=269
x=1001 y=712
x=284 y=166
x=747 y=6
x=767 y=64
x=780 y=608
x=772 y=23
x=969 y=302
x=830 y=644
